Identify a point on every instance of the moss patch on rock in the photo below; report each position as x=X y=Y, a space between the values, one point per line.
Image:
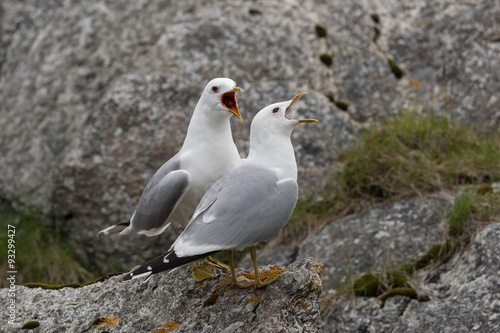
x=68 y=285
x=395 y=69
x=31 y=325
x=437 y=253
x=320 y=31
x=378 y=283
x=367 y=285
x=211 y=300
x=407 y=292
x=326 y=59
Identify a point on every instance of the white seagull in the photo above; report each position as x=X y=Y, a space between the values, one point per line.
x=208 y=153
x=246 y=206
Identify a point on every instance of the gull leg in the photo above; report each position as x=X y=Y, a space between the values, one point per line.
x=216 y=263
x=204 y=272
x=201 y=273
x=240 y=281
x=258 y=282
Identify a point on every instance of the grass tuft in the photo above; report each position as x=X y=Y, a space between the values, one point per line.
x=415 y=153
x=459 y=216
x=41 y=254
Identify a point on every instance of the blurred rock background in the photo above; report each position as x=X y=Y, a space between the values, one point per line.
x=96 y=95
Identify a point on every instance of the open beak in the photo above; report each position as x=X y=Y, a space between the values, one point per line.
x=228 y=100
x=295 y=100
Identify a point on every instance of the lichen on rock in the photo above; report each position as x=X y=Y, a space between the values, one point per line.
x=132 y=307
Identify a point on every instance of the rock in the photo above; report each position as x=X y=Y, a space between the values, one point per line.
x=175 y=300
x=464 y=297
x=371 y=239
x=390 y=56
x=96 y=96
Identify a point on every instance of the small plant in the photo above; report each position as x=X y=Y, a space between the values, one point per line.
x=473 y=209
x=459 y=216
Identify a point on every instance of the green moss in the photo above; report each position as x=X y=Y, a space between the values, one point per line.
x=437 y=253
x=68 y=285
x=211 y=300
x=326 y=59
x=342 y=105
x=375 y=18
x=31 y=325
x=396 y=279
x=367 y=285
x=51 y=286
x=395 y=69
x=254 y=12
x=424 y=298
x=385 y=285
x=408 y=292
x=374 y=284
x=320 y=31
x=96 y=322
x=484 y=189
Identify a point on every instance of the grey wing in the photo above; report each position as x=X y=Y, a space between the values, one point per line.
x=243 y=208
x=161 y=195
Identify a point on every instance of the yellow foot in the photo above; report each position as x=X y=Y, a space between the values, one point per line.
x=216 y=263
x=201 y=273
x=243 y=282
x=260 y=284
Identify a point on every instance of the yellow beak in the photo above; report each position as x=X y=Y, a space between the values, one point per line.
x=228 y=100
x=294 y=99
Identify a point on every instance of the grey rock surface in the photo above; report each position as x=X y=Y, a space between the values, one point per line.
x=95 y=96
x=290 y=304
x=464 y=297
x=371 y=239
x=448 y=52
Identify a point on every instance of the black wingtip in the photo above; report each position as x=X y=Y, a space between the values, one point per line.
x=114 y=229
x=162 y=263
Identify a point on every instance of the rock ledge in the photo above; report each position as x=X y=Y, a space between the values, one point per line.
x=174 y=302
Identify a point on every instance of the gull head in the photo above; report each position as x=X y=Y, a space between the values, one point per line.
x=220 y=95
x=273 y=118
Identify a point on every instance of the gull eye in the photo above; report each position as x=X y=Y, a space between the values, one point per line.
x=215 y=89
x=276 y=110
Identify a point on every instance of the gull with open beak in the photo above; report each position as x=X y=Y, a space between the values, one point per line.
x=208 y=153
x=246 y=206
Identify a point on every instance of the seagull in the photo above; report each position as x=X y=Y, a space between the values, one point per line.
x=208 y=153
x=247 y=206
